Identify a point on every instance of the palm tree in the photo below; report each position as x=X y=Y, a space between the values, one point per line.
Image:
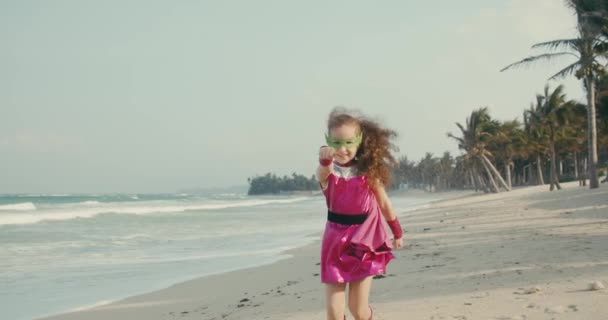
x=429 y=169
x=462 y=174
x=403 y=174
x=520 y=156
x=602 y=114
x=475 y=137
x=552 y=114
x=586 y=48
x=502 y=145
x=536 y=137
x=574 y=137
x=446 y=170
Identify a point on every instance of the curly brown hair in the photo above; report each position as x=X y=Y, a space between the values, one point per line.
x=374 y=158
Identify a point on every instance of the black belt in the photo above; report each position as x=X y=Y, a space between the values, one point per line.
x=346 y=218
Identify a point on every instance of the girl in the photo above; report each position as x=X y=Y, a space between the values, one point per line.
x=353 y=173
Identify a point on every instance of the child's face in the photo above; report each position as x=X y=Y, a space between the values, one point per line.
x=345 y=153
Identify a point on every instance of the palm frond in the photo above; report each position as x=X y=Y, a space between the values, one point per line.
x=459 y=139
x=533 y=59
x=461 y=127
x=558 y=44
x=566 y=71
x=601 y=47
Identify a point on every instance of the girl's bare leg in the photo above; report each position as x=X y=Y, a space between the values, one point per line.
x=358 y=298
x=335 y=300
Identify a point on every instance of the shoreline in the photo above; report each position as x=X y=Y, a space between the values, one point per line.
x=293 y=256
x=284 y=254
x=281 y=256
x=459 y=252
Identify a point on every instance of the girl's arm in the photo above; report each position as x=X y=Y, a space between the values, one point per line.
x=384 y=202
x=386 y=207
x=322 y=174
x=323 y=171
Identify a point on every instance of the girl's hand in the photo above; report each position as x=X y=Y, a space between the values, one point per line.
x=326 y=152
x=397 y=243
x=326 y=155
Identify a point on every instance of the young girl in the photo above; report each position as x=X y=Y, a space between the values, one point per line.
x=353 y=173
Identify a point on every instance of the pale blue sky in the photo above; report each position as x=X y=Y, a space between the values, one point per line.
x=155 y=96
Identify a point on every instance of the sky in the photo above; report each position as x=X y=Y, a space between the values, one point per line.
x=159 y=96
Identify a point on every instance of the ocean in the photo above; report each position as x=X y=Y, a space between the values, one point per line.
x=64 y=252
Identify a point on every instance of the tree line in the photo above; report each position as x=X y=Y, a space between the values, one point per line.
x=558 y=139
x=270 y=183
x=548 y=146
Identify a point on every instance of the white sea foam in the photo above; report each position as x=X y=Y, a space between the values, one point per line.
x=90 y=203
x=24 y=206
x=89 y=209
x=91 y=306
x=135 y=235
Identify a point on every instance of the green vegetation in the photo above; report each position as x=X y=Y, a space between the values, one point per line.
x=550 y=145
x=272 y=184
x=590 y=49
x=559 y=138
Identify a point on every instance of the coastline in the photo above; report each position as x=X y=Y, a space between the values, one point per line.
x=471 y=256
x=193 y=297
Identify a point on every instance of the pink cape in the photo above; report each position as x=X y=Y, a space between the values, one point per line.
x=372 y=234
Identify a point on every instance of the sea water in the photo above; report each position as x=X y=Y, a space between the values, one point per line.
x=64 y=252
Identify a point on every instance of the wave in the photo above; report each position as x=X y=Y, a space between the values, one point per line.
x=90 y=202
x=24 y=206
x=89 y=209
x=36 y=195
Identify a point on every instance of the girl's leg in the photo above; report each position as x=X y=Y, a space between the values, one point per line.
x=358 y=298
x=335 y=300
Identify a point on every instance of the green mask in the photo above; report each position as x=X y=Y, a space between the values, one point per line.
x=347 y=143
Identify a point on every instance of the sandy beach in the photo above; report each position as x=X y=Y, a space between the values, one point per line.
x=524 y=254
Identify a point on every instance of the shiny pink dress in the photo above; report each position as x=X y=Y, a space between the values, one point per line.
x=353 y=252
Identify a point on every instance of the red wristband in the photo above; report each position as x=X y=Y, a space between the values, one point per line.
x=326 y=162
x=395 y=228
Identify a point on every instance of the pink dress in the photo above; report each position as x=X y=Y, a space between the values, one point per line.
x=353 y=252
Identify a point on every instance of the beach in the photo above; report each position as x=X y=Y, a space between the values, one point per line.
x=524 y=254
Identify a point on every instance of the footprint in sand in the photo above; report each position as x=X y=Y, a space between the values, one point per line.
x=449 y=318
x=517 y=317
x=531 y=290
x=555 y=310
x=533 y=306
x=522 y=317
